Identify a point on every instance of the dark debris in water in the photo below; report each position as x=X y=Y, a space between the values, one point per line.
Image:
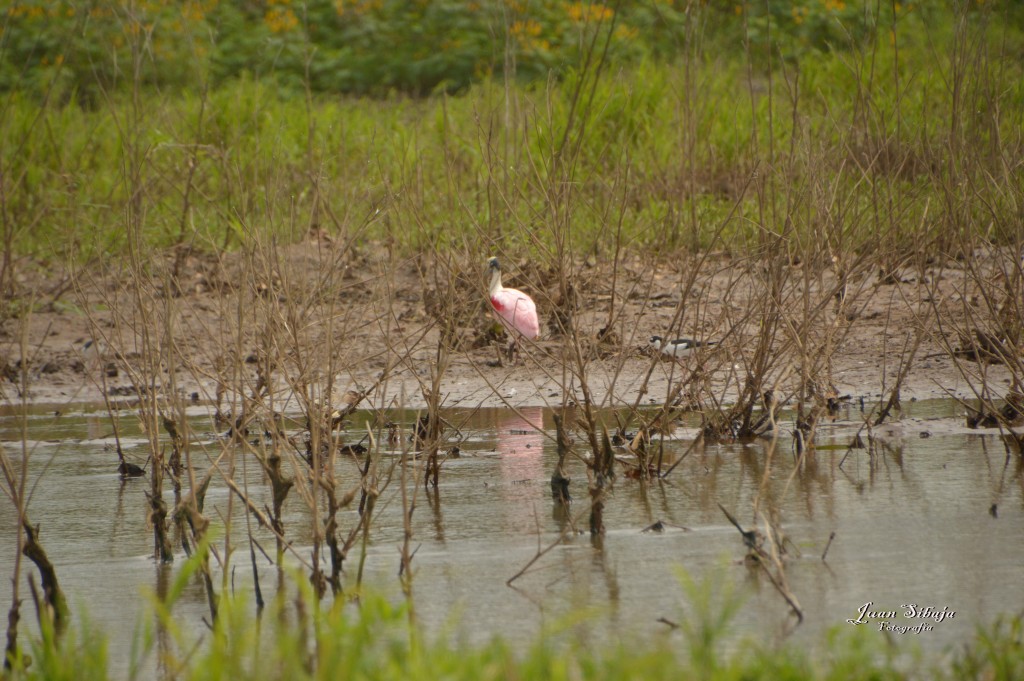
x=661 y=526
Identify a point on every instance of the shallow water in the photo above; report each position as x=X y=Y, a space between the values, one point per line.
x=913 y=524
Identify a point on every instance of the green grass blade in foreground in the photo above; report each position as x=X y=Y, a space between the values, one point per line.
x=371 y=638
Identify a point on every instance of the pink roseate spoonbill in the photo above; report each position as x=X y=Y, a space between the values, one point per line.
x=680 y=347
x=515 y=309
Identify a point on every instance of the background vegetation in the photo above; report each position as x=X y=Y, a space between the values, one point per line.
x=832 y=120
x=852 y=135
x=385 y=46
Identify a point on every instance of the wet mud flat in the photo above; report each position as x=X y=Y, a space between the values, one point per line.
x=934 y=329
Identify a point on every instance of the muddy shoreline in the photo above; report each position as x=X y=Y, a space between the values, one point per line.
x=383 y=320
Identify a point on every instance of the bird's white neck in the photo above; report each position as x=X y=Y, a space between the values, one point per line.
x=495 y=282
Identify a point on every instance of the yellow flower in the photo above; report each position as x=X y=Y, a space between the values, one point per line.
x=526 y=28
x=280 y=20
x=193 y=11
x=357 y=6
x=589 y=12
x=624 y=32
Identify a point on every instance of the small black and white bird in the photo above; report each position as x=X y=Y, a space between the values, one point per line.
x=680 y=347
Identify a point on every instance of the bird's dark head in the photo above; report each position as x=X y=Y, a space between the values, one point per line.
x=492 y=264
x=655 y=340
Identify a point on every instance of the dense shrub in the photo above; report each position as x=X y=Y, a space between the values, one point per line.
x=80 y=48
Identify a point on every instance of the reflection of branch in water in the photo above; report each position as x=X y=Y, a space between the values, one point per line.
x=434 y=502
x=855 y=443
x=599 y=476
x=118 y=516
x=831 y=536
x=1000 y=484
x=541 y=552
x=559 y=478
x=510 y=442
x=759 y=556
x=895 y=450
x=698 y=440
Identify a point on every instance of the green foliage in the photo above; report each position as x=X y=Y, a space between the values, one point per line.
x=79 y=654
x=997 y=652
x=365 y=636
x=713 y=605
x=687 y=144
x=82 y=49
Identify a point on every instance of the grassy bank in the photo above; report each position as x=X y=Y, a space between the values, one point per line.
x=909 y=137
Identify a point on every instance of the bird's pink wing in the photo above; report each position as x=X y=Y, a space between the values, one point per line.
x=517 y=311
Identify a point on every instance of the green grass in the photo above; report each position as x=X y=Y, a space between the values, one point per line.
x=900 y=139
x=371 y=638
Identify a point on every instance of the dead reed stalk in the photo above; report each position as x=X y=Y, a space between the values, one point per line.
x=14 y=484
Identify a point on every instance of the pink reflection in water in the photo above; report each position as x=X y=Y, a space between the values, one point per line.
x=521 y=443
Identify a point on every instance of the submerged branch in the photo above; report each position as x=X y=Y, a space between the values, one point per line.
x=57 y=606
